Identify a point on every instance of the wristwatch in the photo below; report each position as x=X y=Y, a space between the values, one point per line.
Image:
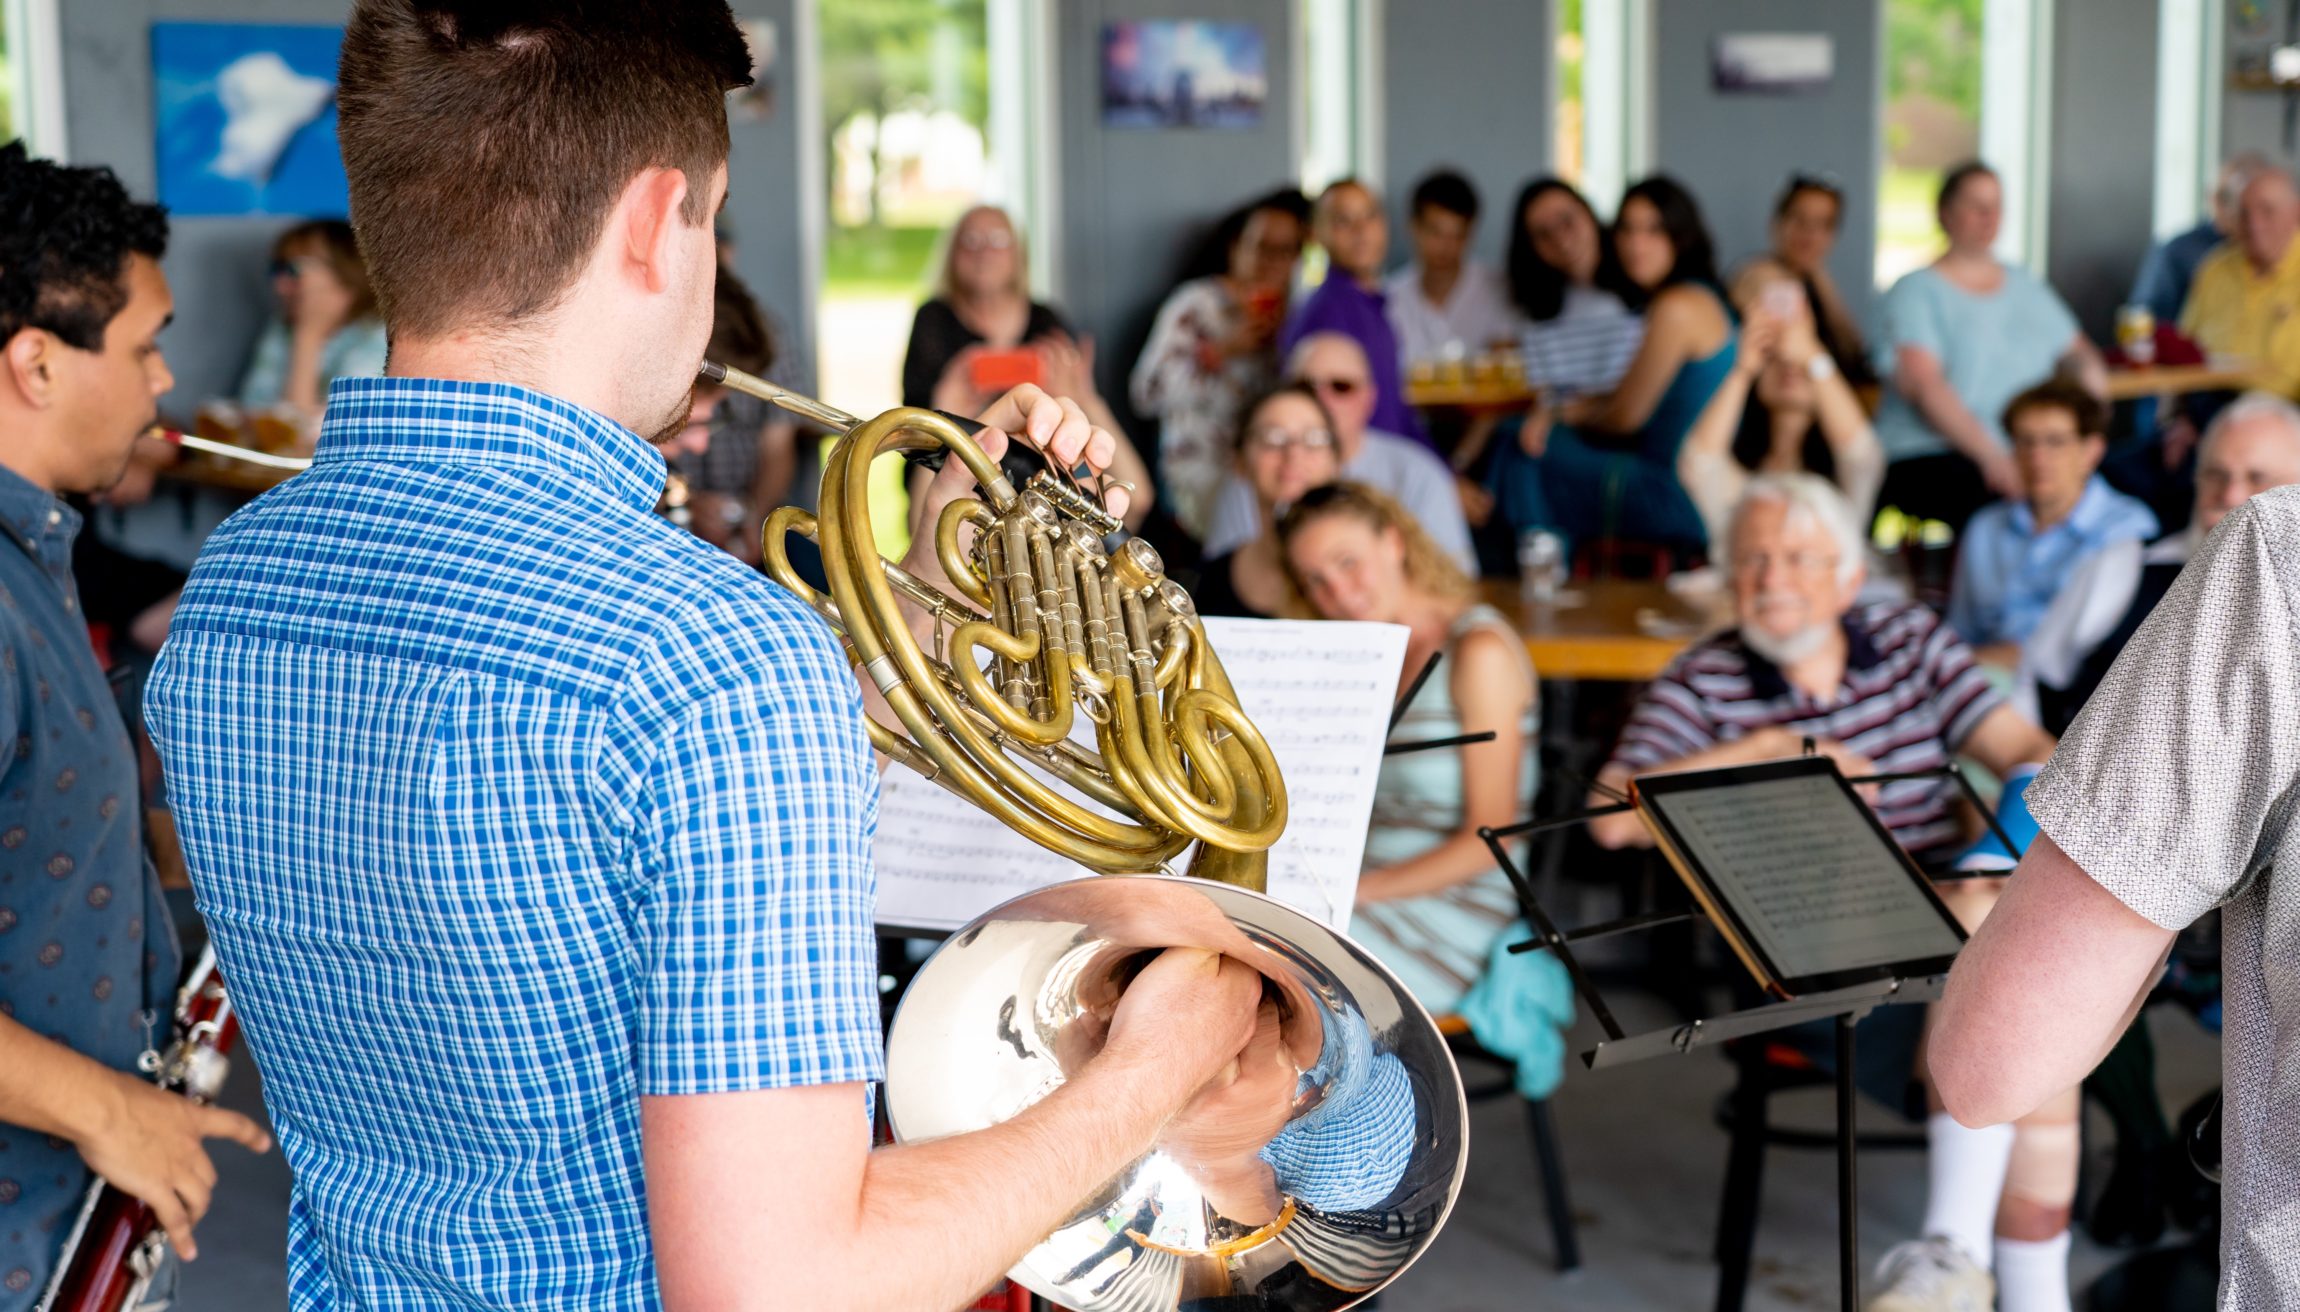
x=1820 y=366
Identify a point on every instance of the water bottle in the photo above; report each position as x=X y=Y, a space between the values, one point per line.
x=1540 y=564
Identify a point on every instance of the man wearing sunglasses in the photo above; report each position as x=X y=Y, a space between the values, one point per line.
x=1335 y=367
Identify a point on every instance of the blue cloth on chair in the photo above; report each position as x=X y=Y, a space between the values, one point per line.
x=2014 y=819
x=1520 y=1008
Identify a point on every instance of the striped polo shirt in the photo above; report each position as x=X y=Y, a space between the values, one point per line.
x=1910 y=697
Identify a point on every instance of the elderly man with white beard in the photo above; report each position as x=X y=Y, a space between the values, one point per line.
x=1884 y=688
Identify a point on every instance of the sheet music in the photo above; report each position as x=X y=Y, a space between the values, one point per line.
x=1320 y=691
x=1817 y=888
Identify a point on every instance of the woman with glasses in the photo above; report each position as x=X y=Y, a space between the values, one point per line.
x=1431 y=903
x=326 y=328
x=1962 y=337
x=1804 y=231
x=1214 y=345
x=1603 y=465
x=1286 y=447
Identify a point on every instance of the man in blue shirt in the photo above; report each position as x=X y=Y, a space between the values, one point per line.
x=533 y=833
x=2015 y=555
x=87 y=955
x=2170 y=267
x=1350 y=225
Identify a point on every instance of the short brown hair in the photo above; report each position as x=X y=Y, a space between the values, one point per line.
x=486 y=142
x=2065 y=395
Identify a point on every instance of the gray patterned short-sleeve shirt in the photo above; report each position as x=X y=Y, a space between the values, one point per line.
x=2174 y=790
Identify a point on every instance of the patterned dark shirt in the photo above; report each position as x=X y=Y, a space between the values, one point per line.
x=87 y=954
x=1910 y=697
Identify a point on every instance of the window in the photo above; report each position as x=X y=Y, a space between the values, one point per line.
x=1932 y=122
x=31 y=93
x=1565 y=151
x=1340 y=93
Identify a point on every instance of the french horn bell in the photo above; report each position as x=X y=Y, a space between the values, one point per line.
x=1035 y=623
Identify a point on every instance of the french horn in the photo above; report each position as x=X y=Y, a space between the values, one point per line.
x=1040 y=624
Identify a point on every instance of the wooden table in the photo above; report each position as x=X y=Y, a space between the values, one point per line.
x=2135 y=383
x=1615 y=630
x=1497 y=394
x=225 y=475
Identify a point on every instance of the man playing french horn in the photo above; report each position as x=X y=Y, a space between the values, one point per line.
x=535 y=836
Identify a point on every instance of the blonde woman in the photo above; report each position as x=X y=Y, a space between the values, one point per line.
x=327 y=326
x=982 y=303
x=1431 y=903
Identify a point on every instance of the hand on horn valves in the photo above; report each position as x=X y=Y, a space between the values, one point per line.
x=1050 y=423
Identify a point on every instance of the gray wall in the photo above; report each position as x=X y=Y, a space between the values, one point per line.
x=216 y=265
x=1134 y=201
x=1465 y=83
x=764 y=198
x=2102 y=158
x=1735 y=151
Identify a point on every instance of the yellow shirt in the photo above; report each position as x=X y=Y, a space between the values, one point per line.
x=2235 y=310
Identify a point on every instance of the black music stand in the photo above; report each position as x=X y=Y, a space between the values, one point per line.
x=1847 y=1006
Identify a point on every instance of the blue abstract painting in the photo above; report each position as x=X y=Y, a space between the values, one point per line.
x=245 y=118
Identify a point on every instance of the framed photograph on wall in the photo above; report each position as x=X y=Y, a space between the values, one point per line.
x=1190 y=73
x=1772 y=63
x=244 y=118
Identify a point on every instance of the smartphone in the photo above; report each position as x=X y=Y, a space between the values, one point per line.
x=995 y=372
x=1782 y=300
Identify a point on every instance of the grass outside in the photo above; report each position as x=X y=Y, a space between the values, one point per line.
x=1908 y=235
x=878 y=261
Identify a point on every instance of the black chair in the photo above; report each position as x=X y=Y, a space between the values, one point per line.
x=1766 y=1068
x=1541 y=1122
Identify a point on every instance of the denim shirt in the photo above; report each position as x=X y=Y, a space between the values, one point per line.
x=87 y=954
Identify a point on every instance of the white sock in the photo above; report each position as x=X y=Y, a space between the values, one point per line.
x=1966 y=1174
x=2032 y=1275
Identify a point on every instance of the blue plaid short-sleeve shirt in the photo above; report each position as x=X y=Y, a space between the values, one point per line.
x=507 y=803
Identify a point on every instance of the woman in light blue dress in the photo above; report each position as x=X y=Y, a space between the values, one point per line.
x=1431 y=901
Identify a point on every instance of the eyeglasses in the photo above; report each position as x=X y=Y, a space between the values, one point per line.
x=1337 y=386
x=986 y=241
x=1279 y=440
x=285 y=269
x=1801 y=563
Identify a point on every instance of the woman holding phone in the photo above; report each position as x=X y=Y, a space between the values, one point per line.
x=981 y=336
x=1215 y=345
x=1784 y=408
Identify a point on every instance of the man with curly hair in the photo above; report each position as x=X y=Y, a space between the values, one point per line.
x=87 y=954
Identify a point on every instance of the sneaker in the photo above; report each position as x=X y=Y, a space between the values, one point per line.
x=1932 y=1275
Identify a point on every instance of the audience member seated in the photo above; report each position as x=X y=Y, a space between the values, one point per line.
x=1334 y=366
x=1785 y=408
x=1882 y=688
x=1804 y=230
x=1580 y=333
x=2170 y=270
x=1350 y=226
x=1286 y=447
x=981 y=303
x=1962 y=337
x=1214 y=345
x=2245 y=303
x=2018 y=553
x=326 y=328
x=1607 y=466
x=737 y=454
x=1444 y=305
x=1431 y=901
x=2250 y=447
